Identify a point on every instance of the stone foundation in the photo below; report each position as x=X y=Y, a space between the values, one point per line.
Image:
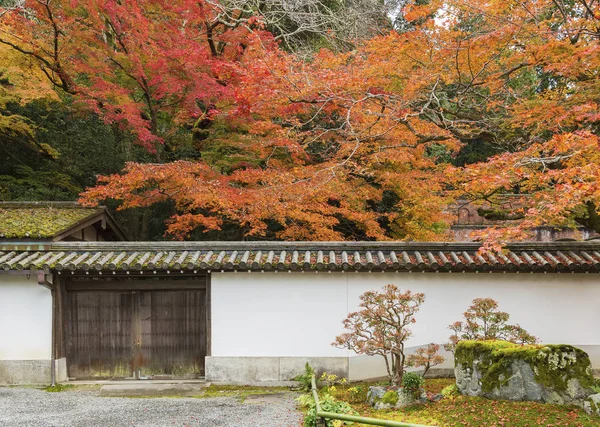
x=269 y=370
x=15 y=372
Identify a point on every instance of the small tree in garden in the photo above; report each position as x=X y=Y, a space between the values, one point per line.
x=425 y=357
x=483 y=321
x=380 y=327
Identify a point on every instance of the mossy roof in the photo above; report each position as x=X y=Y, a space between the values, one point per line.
x=43 y=222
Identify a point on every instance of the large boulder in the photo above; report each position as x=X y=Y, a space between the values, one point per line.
x=559 y=374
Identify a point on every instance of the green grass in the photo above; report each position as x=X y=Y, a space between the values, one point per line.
x=58 y=388
x=239 y=391
x=465 y=411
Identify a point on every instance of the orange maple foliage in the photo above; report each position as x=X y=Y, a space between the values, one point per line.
x=24 y=79
x=132 y=62
x=541 y=85
x=358 y=144
x=334 y=145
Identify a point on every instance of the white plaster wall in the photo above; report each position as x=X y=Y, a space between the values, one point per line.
x=557 y=308
x=25 y=318
x=299 y=314
x=277 y=314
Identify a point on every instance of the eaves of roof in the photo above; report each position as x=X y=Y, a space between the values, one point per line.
x=194 y=257
x=28 y=222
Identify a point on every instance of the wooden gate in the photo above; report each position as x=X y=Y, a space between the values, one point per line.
x=173 y=334
x=112 y=334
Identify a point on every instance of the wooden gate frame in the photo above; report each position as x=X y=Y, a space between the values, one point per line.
x=63 y=284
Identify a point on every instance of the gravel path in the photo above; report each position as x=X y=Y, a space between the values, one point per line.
x=30 y=407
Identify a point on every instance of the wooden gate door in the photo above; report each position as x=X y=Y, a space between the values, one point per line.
x=136 y=334
x=173 y=334
x=100 y=334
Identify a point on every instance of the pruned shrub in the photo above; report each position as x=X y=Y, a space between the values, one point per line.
x=381 y=327
x=425 y=357
x=412 y=383
x=483 y=321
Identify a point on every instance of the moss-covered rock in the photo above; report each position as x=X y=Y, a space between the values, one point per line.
x=381 y=397
x=502 y=370
x=592 y=404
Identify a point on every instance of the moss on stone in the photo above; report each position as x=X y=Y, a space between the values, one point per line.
x=390 y=398
x=553 y=365
x=595 y=408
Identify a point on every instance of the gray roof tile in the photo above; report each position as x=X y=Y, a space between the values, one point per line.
x=120 y=257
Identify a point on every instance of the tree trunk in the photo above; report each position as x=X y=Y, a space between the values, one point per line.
x=398 y=367
x=592 y=220
x=387 y=366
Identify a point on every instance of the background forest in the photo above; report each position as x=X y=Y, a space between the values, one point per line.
x=305 y=119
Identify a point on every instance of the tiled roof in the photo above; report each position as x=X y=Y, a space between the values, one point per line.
x=42 y=220
x=139 y=257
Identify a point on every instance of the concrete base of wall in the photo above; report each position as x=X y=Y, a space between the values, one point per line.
x=15 y=372
x=440 y=373
x=269 y=370
x=61 y=370
x=370 y=367
x=282 y=370
x=366 y=368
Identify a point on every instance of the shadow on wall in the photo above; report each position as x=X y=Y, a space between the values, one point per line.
x=372 y=367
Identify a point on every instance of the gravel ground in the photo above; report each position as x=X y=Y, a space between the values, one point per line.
x=30 y=407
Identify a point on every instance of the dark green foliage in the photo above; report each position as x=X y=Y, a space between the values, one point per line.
x=473 y=152
x=22 y=182
x=328 y=404
x=144 y=223
x=305 y=379
x=69 y=150
x=412 y=383
x=440 y=153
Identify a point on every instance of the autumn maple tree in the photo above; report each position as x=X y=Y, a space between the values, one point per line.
x=425 y=357
x=322 y=164
x=20 y=82
x=381 y=327
x=368 y=141
x=134 y=63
